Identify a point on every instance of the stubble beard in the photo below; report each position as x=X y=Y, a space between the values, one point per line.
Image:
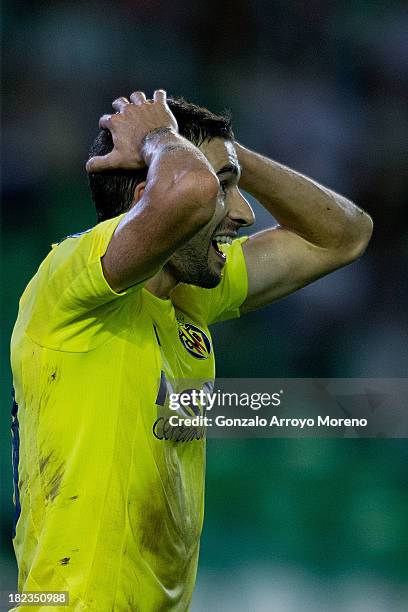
x=190 y=264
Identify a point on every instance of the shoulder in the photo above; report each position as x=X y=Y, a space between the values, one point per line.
x=69 y=304
x=91 y=243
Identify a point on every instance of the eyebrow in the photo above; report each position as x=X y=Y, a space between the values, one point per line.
x=229 y=168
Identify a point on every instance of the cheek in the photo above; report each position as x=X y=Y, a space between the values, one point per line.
x=197 y=246
x=218 y=216
x=205 y=234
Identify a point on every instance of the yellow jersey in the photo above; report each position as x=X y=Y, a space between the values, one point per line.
x=109 y=497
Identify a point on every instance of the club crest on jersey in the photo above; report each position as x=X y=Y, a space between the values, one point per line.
x=194 y=340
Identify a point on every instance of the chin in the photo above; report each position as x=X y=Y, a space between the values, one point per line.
x=207 y=279
x=195 y=271
x=209 y=282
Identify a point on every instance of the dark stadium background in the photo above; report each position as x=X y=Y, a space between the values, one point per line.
x=320 y=86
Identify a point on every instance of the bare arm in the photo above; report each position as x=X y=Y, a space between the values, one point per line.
x=319 y=230
x=179 y=195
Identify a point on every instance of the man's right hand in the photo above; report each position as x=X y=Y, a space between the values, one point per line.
x=129 y=127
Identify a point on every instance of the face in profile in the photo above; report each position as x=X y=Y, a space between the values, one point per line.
x=201 y=260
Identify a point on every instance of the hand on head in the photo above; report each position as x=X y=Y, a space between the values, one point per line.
x=133 y=121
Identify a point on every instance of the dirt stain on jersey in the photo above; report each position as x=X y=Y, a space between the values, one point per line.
x=44 y=461
x=64 y=560
x=52 y=473
x=55 y=485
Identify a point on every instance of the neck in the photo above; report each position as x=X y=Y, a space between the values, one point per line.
x=161 y=284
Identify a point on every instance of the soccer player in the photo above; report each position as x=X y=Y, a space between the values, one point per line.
x=109 y=495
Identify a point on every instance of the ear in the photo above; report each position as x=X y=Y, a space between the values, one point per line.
x=139 y=190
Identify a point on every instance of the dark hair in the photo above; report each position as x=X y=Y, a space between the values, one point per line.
x=113 y=191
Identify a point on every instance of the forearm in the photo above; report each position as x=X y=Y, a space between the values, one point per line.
x=178 y=200
x=302 y=205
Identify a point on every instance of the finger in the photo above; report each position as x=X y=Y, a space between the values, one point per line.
x=160 y=96
x=101 y=163
x=105 y=122
x=120 y=103
x=138 y=97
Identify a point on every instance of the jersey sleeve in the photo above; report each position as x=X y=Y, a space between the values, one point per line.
x=224 y=301
x=69 y=303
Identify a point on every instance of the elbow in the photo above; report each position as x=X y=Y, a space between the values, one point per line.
x=361 y=236
x=364 y=233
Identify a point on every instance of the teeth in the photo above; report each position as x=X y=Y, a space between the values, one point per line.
x=223 y=239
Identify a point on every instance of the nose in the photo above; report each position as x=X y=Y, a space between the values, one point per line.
x=240 y=210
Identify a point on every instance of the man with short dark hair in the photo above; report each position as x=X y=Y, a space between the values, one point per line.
x=116 y=318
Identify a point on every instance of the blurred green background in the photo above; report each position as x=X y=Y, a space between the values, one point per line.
x=290 y=524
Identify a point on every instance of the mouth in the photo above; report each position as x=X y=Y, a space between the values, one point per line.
x=219 y=242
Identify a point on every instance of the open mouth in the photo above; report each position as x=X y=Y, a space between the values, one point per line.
x=217 y=243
